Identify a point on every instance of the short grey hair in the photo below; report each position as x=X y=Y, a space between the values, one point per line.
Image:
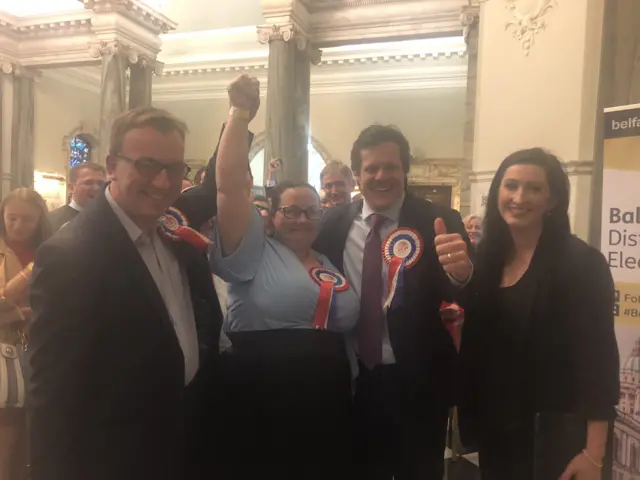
x=336 y=166
x=473 y=216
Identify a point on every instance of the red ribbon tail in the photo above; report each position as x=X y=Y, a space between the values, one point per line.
x=194 y=238
x=452 y=316
x=323 y=307
x=393 y=271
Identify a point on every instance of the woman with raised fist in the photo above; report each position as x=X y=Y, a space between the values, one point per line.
x=289 y=310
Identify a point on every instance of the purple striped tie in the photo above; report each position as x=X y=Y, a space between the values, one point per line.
x=371 y=322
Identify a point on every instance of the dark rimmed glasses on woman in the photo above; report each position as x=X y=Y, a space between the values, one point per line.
x=293 y=212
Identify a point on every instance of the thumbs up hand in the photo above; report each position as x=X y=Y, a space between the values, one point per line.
x=452 y=252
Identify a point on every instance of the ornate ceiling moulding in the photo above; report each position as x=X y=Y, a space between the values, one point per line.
x=318 y=5
x=51 y=24
x=392 y=58
x=190 y=70
x=135 y=9
x=528 y=20
x=183 y=71
x=381 y=21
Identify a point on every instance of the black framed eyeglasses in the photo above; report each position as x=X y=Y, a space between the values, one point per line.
x=150 y=167
x=293 y=212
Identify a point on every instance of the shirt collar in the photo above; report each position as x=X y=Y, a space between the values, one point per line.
x=132 y=229
x=392 y=213
x=75 y=205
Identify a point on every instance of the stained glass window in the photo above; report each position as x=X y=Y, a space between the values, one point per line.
x=80 y=151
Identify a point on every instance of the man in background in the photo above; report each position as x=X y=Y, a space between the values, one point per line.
x=337 y=182
x=85 y=182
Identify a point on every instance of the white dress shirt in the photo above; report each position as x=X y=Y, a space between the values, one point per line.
x=73 y=204
x=172 y=284
x=354 y=254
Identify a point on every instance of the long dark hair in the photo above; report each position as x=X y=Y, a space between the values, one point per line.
x=497 y=244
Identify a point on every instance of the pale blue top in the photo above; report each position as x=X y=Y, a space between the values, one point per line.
x=270 y=289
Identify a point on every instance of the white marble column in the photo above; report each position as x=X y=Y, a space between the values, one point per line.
x=288 y=90
x=470 y=20
x=22 y=135
x=6 y=82
x=140 y=83
x=113 y=91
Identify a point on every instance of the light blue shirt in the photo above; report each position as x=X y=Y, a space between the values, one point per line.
x=270 y=289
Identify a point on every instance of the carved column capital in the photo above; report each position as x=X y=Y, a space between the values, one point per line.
x=470 y=17
x=133 y=56
x=289 y=33
x=7 y=67
x=145 y=61
x=106 y=48
x=273 y=33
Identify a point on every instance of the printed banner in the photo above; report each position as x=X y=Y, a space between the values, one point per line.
x=620 y=243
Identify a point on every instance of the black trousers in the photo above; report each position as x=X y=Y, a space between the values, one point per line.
x=507 y=454
x=510 y=453
x=399 y=432
x=287 y=407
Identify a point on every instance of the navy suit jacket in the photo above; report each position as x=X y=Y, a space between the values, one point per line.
x=422 y=346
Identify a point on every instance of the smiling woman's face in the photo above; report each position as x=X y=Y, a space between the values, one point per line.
x=524 y=197
x=474 y=230
x=295 y=228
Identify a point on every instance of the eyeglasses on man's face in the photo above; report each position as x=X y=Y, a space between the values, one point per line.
x=150 y=167
x=294 y=212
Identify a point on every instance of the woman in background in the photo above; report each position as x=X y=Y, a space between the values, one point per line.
x=473 y=225
x=538 y=344
x=24 y=226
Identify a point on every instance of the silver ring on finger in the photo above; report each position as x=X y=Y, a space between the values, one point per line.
x=449 y=256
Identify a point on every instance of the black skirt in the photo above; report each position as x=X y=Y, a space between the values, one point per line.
x=287 y=405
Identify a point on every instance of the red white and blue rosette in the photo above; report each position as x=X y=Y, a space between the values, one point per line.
x=175 y=226
x=322 y=274
x=329 y=282
x=401 y=250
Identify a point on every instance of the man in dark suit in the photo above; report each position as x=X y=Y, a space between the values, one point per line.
x=126 y=324
x=404 y=387
x=85 y=182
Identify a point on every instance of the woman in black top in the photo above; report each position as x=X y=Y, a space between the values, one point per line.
x=538 y=344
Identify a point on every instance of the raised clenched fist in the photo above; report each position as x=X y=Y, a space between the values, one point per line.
x=244 y=93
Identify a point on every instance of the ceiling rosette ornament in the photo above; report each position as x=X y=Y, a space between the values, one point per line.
x=528 y=20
